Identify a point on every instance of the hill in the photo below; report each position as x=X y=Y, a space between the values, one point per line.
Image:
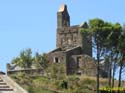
x=67 y=84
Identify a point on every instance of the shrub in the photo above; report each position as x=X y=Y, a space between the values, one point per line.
x=64 y=84
x=30 y=89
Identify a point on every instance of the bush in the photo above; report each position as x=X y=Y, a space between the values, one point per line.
x=30 y=89
x=64 y=84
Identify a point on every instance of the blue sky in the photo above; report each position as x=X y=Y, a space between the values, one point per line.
x=32 y=23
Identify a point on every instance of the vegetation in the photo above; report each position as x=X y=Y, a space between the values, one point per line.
x=108 y=41
x=69 y=84
x=26 y=60
x=58 y=82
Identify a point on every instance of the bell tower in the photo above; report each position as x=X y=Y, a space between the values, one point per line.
x=63 y=18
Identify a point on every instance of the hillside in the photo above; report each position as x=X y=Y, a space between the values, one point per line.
x=55 y=80
x=69 y=84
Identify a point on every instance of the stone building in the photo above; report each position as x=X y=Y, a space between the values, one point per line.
x=73 y=47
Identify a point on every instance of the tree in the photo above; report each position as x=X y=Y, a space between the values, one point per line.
x=121 y=48
x=24 y=60
x=105 y=40
x=113 y=40
x=40 y=61
x=37 y=59
x=114 y=66
x=16 y=61
x=95 y=27
x=100 y=31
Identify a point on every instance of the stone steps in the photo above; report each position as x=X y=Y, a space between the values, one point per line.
x=2 y=83
x=4 y=87
x=1 y=80
x=7 y=85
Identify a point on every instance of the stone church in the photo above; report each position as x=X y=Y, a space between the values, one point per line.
x=73 y=47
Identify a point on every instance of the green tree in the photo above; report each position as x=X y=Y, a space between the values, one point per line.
x=37 y=60
x=100 y=31
x=24 y=60
x=44 y=62
x=40 y=60
x=121 y=48
x=113 y=40
x=16 y=61
x=95 y=27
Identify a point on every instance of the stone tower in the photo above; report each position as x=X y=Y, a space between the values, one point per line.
x=69 y=37
x=63 y=18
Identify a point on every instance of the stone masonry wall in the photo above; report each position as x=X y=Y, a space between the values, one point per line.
x=67 y=38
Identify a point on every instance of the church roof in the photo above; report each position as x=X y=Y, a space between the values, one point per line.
x=75 y=26
x=77 y=47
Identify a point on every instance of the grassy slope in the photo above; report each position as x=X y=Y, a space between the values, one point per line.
x=75 y=84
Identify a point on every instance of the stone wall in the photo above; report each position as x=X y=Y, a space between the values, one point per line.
x=82 y=64
x=71 y=66
x=67 y=37
x=28 y=71
x=56 y=57
x=86 y=43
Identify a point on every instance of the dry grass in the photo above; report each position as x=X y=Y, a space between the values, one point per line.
x=93 y=78
x=103 y=81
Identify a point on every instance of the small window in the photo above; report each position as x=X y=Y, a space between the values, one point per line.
x=56 y=60
x=69 y=41
x=78 y=61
